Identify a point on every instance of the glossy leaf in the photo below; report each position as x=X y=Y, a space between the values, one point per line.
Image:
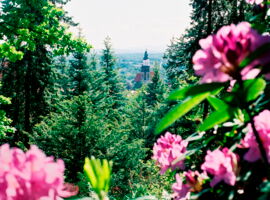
x=254 y=88
x=216 y=103
x=251 y=89
x=216 y=118
x=180 y=110
x=213 y=88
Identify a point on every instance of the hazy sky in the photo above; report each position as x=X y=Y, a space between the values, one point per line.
x=133 y=25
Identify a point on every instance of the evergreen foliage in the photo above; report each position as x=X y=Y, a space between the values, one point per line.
x=35 y=29
x=114 y=87
x=156 y=89
x=79 y=74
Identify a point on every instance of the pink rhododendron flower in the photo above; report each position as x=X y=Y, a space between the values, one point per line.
x=221 y=54
x=195 y=180
x=181 y=191
x=254 y=1
x=262 y=125
x=30 y=175
x=167 y=149
x=222 y=165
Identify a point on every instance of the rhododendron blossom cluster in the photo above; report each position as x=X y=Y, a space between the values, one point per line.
x=222 y=53
x=254 y=1
x=181 y=190
x=222 y=164
x=31 y=175
x=167 y=150
x=262 y=125
x=194 y=181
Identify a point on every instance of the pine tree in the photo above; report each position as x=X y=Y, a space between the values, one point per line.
x=71 y=133
x=62 y=77
x=33 y=27
x=79 y=73
x=138 y=112
x=114 y=88
x=81 y=113
x=175 y=64
x=155 y=90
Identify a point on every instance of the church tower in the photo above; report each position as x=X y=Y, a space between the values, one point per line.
x=145 y=75
x=145 y=69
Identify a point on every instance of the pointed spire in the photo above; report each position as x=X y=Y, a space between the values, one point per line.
x=145 y=55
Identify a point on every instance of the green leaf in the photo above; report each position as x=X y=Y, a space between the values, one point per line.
x=251 y=89
x=88 y=168
x=256 y=17
x=216 y=103
x=254 y=88
x=213 y=88
x=254 y=55
x=180 y=110
x=98 y=174
x=216 y=118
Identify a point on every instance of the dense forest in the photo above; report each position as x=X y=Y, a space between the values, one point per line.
x=59 y=94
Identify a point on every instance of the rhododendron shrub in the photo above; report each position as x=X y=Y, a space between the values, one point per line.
x=32 y=175
x=229 y=155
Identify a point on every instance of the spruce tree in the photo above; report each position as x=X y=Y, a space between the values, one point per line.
x=155 y=90
x=80 y=117
x=139 y=113
x=34 y=28
x=70 y=133
x=79 y=73
x=61 y=77
x=111 y=77
x=113 y=86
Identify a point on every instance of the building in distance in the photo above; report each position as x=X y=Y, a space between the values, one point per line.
x=145 y=75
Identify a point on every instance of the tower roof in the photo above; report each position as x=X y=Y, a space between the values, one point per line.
x=145 y=55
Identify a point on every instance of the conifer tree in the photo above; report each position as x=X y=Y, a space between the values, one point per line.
x=79 y=115
x=155 y=90
x=71 y=133
x=62 y=77
x=175 y=64
x=111 y=77
x=79 y=73
x=206 y=18
x=138 y=112
x=33 y=27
